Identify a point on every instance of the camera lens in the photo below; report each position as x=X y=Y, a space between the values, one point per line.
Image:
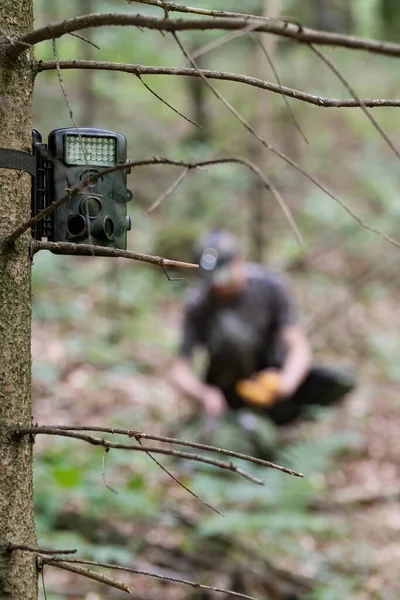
x=91 y=207
x=76 y=225
x=108 y=227
x=102 y=228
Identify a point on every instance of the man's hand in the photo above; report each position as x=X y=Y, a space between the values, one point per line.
x=213 y=401
x=209 y=397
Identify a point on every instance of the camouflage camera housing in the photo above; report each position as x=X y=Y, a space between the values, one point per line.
x=98 y=213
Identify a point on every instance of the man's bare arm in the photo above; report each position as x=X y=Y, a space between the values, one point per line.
x=298 y=359
x=189 y=384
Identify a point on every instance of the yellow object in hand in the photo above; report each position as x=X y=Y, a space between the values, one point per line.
x=261 y=390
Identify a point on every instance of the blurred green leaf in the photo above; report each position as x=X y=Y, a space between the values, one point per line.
x=68 y=477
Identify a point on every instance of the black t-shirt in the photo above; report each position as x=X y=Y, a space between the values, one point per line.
x=265 y=306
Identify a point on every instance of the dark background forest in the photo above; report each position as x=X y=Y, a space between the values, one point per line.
x=106 y=330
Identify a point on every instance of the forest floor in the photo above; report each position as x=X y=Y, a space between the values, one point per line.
x=362 y=486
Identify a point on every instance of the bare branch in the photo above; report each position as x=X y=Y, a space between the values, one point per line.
x=103 y=472
x=229 y=466
x=12 y=40
x=62 y=86
x=169 y=191
x=179 y=482
x=321 y=101
x=90 y=250
x=193 y=165
x=36 y=550
x=170 y=278
x=173 y=7
x=284 y=207
x=61 y=564
x=222 y=40
x=81 y=37
x=167 y=103
x=258 y=40
x=43 y=582
x=138 y=435
x=193 y=584
x=281 y=28
x=347 y=85
x=9 y=241
x=277 y=152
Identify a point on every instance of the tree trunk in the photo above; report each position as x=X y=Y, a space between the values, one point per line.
x=197 y=94
x=18 y=577
x=334 y=15
x=262 y=203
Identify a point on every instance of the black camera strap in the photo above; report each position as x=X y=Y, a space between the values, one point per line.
x=17 y=159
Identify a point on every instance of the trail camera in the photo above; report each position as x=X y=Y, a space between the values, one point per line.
x=98 y=213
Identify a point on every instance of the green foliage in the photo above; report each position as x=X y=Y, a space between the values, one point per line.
x=284 y=505
x=67 y=481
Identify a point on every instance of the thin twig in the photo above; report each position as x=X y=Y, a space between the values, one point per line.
x=150 y=574
x=62 y=86
x=222 y=40
x=350 y=88
x=169 y=191
x=19 y=431
x=173 y=7
x=81 y=37
x=36 y=549
x=264 y=50
x=179 y=482
x=170 y=278
x=190 y=165
x=278 y=153
x=67 y=566
x=229 y=466
x=167 y=104
x=103 y=472
x=71 y=114
x=285 y=209
x=70 y=193
x=282 y=28
x=136 y=69
x=90 y=250
x=12 y=40
x=43 y=582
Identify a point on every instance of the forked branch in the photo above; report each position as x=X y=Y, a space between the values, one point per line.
x=196 y=165
x=139 y=70
x=55 y=562
x=9 y=241
x=141 y=435
x=94 y=441
x=278 y=152
x=206 y=12
x=282 y=28
x=66 y=566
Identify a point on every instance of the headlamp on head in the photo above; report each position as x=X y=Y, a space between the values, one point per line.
x=215 y=254
x=208 y=259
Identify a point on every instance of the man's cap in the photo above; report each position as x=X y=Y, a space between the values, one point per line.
x=214 y=253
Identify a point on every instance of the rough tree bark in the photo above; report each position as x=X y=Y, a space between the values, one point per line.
x=18 y=577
